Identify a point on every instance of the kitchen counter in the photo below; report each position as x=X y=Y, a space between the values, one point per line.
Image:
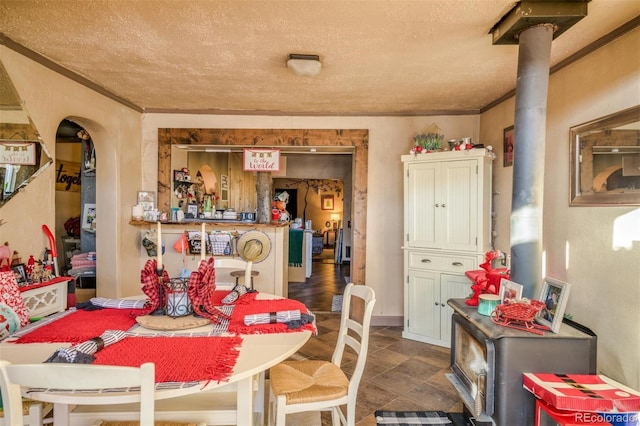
x=225 y=222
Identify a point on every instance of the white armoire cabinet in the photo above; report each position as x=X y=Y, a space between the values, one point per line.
x=447 y=230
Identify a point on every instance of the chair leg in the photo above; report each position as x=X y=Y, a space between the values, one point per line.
x=35 y=415
x=281 y=412
x=335 y=416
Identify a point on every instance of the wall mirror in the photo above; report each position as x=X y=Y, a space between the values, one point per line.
x=605 y=160
x=22 y=155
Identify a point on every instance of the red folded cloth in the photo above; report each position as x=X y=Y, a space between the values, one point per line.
x=177 y=359
x=80 y=326
x=236 y=323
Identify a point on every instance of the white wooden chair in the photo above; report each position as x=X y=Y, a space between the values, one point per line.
x=14 y=377
x=223 y=263
x=313 y=385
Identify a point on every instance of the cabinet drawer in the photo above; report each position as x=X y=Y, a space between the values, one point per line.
x=430 y=261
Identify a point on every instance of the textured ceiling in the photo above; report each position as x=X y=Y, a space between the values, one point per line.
x=378 y=57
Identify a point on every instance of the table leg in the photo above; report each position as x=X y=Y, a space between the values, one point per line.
x=244 y=402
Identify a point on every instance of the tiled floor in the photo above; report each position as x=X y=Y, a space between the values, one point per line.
x=400 y=374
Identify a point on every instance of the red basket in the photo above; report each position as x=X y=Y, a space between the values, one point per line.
x=519 y=311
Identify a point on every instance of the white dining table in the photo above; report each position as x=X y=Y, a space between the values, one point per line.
x=257 y=353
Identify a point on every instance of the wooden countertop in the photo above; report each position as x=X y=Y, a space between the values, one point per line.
x=217 y=222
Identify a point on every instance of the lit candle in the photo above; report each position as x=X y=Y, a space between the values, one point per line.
x=203 y=243
x=159 y=248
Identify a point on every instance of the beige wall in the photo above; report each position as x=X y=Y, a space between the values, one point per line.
x=578 y=241
x=605 y=294
x=115 y=130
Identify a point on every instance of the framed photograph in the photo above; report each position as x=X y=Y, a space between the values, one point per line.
x=89 y=216
x=326 y=202
x=178 y=176
x=192 y=211
x=20 y=271
x=147 y=199
x=509 y=290
x=508 y=140
x=554 y=295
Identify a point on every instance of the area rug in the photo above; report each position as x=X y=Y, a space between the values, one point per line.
x=408 y=418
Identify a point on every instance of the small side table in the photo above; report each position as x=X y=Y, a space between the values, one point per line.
x=240 y=273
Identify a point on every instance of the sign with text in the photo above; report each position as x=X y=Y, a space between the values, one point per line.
x=67 y=176
x=261 y=160
x=23 y=153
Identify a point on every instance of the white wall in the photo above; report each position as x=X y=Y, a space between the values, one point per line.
x=578 y=241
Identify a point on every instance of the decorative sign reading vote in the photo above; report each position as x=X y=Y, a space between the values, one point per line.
x=23 y=153
x=261 y=160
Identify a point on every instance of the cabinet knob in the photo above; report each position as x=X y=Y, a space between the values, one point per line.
x=436 y=303
x=426 y=261
x=437 y=205
x=444 y=205
x=442 y=304
x=456 y=263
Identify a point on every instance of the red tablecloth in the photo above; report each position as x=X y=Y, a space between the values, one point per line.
x=177 y=359
x=80 y=326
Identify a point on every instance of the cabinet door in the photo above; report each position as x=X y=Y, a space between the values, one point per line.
x=459 y=206
x=451 y=286
x=422 y=299
x=420 y=200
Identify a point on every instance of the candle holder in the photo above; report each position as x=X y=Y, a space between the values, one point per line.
x=161 y=293
x=178 y=303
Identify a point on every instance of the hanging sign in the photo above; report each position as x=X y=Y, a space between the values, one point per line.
x=261 y=160
x=23 y=153
x=67 y=176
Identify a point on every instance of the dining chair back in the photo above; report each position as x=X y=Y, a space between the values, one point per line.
x=223 y=263
x=77 y=377
x=313 y=385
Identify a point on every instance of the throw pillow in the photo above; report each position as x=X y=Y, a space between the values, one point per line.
x=10 y=296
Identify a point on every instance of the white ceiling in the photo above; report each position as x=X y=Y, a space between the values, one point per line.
x=378 y=57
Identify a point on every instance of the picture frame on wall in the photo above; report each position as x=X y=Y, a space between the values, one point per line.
x=147 y=199
x=326 y=202
x=88 y=216
x=554 y=295
x=508 y=144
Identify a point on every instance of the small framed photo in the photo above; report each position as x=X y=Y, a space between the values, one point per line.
x=327 y=202
x=89 y=216
x=554 y=295
x=20 y=271
x=147 y=199
x=178 y=176
x=509 y=291
x=192 y=211
x=508 y=140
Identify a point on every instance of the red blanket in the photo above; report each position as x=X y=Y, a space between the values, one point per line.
x=236 y=323
x=177 y=359
x=80 y=326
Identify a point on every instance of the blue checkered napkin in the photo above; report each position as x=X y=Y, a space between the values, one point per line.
x=410 y=418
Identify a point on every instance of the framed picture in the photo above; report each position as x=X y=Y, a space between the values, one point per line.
x=192 y=211
x=554 y=295
x=508 y=140
x=509 y=290
x=178 y=176
x=89 y=216
x=20 y=271
x=147 y=199
x=327 y=202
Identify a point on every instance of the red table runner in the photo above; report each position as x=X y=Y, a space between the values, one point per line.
x=177 y=359
x=80 y=326
x=236 y=323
